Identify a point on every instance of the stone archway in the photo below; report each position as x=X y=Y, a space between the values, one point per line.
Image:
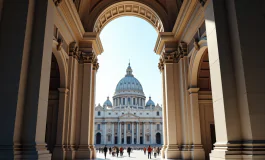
x=128 y=8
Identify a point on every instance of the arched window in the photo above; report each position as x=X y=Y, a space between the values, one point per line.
x=98 y=113
x=157 y=113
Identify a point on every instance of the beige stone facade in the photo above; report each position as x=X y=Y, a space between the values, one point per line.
x=212 y=69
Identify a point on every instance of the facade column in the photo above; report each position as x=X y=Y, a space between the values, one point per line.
x=119 y=132
x=125 y=137
x=143 y=133
x=138 y=134
x=112 y=136
x=197 y=149
x=151 y=132
x=132 y=132
x=24 y=93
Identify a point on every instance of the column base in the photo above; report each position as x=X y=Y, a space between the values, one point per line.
x=172 y=152
x=186 y=151
x=234 y=150
x=197 y=152
x=59 y=152
x=25 y=152
x=83 y=152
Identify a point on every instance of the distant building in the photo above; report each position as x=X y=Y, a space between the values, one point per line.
x=129 y=120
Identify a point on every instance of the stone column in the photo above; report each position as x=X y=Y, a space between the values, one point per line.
x=151 y=132
x=119 y=132
x=132 y=132
x=62 y=125
x=161 y=68
x=105 y=133
x=138 y=134
x=171 y=98
x=197 y=149
x=112 y=136
x=26 y=65
x=95 y=67
x=125 y=137
x=143 y=133
x=84 y=148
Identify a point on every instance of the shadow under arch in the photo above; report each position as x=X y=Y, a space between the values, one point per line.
x=128 y=8
x=195 y=60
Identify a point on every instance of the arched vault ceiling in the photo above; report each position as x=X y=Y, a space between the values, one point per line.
x=158 y=7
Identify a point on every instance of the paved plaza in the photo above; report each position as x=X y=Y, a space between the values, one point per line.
x=135 y=155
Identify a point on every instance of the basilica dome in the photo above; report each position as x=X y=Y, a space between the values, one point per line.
x=107 y=103
x=150 y=102
x=129 y=84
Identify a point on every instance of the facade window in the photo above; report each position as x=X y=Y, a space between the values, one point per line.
x=98 y=113
x=147 y=138
x=109 y=137
x=123 y=101
x=129 y=101
x=157 y=113
x=116 y=113
x=109 y=113
x=133 y=101
x=98 y=126
x=157 y=127
x=129 y=127
x=122 y=113
x=147 y=113
x=140 y=113
x=134 y=113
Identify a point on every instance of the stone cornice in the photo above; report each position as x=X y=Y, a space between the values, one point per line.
x=68 y=12
x=162 y=38
x=92 y=38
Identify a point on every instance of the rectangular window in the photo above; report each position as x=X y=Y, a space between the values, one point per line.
x=109 y=113
x=157 y=113
x=129 y=101
x=98 y=126
x=147 y=138
x=129 y=127
x=123 y=101
x=98 y=113
x=157 y=126
x=133 y=101
x=109 y=137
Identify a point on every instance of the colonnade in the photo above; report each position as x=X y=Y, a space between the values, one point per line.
x=136 y=130
x=134 y=101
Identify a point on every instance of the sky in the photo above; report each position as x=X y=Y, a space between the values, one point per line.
x=128 y=39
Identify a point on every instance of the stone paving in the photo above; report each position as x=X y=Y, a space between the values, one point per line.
x=135 y=155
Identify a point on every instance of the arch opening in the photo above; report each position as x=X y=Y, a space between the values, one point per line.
x=98 y=138
x=128 y=8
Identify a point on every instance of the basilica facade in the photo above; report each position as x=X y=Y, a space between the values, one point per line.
x=129 y=120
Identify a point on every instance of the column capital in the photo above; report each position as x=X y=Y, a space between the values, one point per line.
x=193 y=90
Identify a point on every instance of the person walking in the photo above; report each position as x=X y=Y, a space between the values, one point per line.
x=109 y=150
x=121 y=151
x=144 y=151
x=105 y=149
x=149 y=150
x=155 y=151
x=117 y=151
x=158 y=151
x=129 y=151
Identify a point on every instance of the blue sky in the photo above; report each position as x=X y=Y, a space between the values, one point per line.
x=123 y=39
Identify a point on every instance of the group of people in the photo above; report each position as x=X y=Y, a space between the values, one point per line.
x=115 y=151
x=155 y=150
